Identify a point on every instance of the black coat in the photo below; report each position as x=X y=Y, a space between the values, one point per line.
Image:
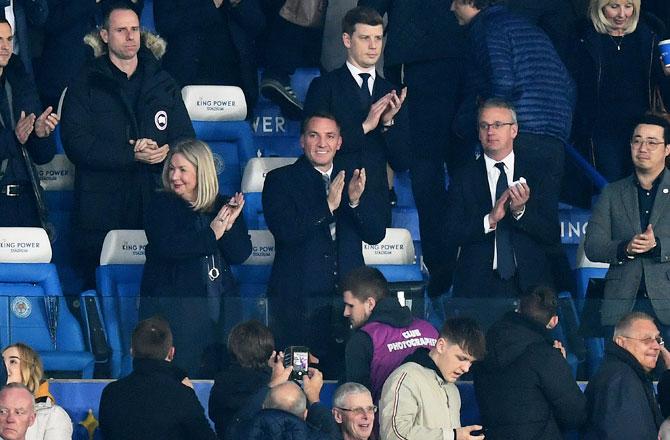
x=621 y=403
x=337 y=93
x=232 y=389
x=536 y=231
x=24 y=98
x=524 y=386
x=111 y=187
x=308 y=263
x=273 y=424
x=152 y=403
x=181 y=244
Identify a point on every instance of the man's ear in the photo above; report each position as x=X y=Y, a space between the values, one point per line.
x=170 y=354
x=346 y=40
x=553 y=322
x=337 y=415
x=104 y=35
x=372 y=303
x=619 y=341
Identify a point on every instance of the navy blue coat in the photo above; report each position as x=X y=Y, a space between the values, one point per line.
x=273 y=424
x=621 y=403
x=470 y=200
x=308 y=263
x=515 y=60
x=337 y=93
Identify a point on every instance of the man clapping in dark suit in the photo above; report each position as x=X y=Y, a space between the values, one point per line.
x=319 y=224
x=375 y=126
x=504 y=213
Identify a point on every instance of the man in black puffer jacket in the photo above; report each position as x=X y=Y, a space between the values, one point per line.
x=524 y=386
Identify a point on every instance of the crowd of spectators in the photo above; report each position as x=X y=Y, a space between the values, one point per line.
x=494 y=92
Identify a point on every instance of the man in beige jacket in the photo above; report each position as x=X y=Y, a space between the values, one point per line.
x=420 y=400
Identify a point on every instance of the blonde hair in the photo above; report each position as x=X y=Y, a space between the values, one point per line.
x=31 y=367
x=200 y=156
x=601 y=23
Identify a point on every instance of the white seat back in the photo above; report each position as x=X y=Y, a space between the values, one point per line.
x=263 y=248
x=257 y=169
x=24 y=245
x=124 y=246
x=57 y=175
x=396 y=248
x=214 y=103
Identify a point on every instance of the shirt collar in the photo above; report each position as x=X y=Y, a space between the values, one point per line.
x=327 y=173
x=654 y=184
x=355 y=71
x=491 y=163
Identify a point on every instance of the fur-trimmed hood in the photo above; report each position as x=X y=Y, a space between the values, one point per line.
x=155 y=44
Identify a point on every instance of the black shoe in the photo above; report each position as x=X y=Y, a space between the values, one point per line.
x=283 y=96
x=393 y=198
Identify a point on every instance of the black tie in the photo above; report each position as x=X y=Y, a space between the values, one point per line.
x=506 y=266
x=366 y=98
x=5 y=111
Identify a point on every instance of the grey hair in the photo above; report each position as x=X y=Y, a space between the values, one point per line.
x=346 y=389
x=623 y=326
x=497 y=103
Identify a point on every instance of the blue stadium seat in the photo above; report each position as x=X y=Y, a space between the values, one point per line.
x=252 y=187
x=118 y=280
x=276 y=135
x=147 y=18
x=35 y=311
x=217 y=114
x=253 y=275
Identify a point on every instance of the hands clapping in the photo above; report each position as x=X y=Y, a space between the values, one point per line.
x=225 y=218
x=384 y=110
x=354 y=189
x=42 y=125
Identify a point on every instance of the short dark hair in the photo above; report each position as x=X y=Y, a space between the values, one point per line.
x=466 y=333
x=626 y=322
x=659 y=119
x=4 y=20
x=152 y=339
x=251 y=343
x=539 y=303
x=366 y=282
x=318 y=114
x=360 y=15
x=116 y=5
x=480 y=4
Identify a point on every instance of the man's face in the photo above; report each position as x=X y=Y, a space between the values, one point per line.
x=6 y=44
x=356 y=310
x=123 y=35
x=320 y=142
x=357 y=418
x=16 y=413
x=463 y=11
x=640 y=341
x=364 y=46
x=497 y=142
x=451 y=360
x=648 y=148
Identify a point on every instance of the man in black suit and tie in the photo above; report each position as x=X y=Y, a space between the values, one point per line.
x=319 y=223
x=375 y=127
x=503 y=213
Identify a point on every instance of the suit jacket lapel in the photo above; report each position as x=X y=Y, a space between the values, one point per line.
x=662 y=199
x=350 y=90
x=480 y=185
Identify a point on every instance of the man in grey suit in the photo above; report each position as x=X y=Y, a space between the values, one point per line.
x=630 y=230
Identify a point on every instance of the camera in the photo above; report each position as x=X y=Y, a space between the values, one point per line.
x=298 y=358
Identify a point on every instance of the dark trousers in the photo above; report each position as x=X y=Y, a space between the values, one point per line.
x=290 y=46
x=432 y=100
x=20 y=211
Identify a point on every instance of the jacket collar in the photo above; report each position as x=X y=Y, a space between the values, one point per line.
x=613 y=351
x=155 y=366
x=421 y=357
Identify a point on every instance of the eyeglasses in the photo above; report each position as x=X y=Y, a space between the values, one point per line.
x=647 y=341
x=497 y=125
x=651 y=144
x=360 y=411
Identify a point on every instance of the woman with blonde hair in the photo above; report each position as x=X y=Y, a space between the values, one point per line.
x=24 y=366
x=618 y=74
x=193 y=234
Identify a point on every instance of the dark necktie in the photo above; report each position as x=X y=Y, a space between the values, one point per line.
x=326 y=182
x=5 y=111
x=366 y=98
x=505 y=252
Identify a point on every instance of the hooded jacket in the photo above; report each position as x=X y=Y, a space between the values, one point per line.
x=362 y=365
x=621 y=403
x=98 y=121
x=524 y=386
x=417 y=403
